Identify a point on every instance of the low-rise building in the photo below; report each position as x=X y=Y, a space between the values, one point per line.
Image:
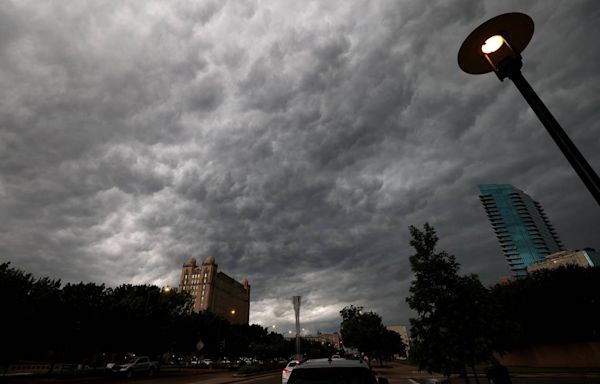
x=332 y=339
x=587 y=257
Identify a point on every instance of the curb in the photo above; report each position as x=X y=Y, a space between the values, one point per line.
x=559 y=374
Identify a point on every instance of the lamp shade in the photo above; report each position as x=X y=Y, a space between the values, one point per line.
x=516 y=28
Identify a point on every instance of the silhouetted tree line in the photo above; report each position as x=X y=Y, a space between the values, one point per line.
x=89 y=323
x=461 y=323
x=552 y=306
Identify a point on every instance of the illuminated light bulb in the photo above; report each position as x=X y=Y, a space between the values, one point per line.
x=492 y=44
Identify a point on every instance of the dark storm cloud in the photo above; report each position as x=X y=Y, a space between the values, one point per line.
x=295 y=142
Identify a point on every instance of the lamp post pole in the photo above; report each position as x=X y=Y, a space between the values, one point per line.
x=580 y=165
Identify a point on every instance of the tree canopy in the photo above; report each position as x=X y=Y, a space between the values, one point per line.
x=551 y=306
x=365 y=331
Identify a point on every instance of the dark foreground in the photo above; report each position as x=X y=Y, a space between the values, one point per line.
x=396 y=374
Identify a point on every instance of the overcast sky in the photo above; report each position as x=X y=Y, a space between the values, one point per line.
x=294 y=141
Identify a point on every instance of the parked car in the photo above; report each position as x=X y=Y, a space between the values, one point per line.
x=285 y=374
x=134 y=365
x=319 y=371
x=239 y=362
x=195 y=362
x=224 y=362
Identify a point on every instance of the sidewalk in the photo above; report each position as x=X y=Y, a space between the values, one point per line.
x=401 y=373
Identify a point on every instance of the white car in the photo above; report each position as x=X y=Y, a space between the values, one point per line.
x=133 y=366
x=320 y=371
x=287 y=371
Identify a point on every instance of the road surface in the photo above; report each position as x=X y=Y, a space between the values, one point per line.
x=396 y=374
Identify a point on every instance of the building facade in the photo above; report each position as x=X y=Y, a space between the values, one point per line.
x=584 y=258
x=333 y=339
x=525 y=234
x=215 y=291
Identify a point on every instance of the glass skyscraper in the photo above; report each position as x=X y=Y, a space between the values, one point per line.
x=521 y=226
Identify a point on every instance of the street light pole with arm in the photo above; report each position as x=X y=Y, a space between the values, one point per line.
x=496 y=45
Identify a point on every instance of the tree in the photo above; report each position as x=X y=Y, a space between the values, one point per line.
x=315 y=349
x=391 y=344
x=454 y=325
x=365 y=331
x=29 y=316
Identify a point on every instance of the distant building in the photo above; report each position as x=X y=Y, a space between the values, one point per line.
x=215 y=291
x=584 y=258
x=521 y=226
x=506 y=280
x=401 y=329
x=332 y=339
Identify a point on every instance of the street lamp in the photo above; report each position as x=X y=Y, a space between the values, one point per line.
x=496 y=45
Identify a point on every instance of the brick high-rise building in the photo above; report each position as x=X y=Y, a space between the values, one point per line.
x=215 y=291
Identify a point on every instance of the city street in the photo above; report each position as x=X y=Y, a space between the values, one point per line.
x=396 y=374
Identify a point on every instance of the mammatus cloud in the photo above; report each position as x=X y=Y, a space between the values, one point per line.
x=295 y=142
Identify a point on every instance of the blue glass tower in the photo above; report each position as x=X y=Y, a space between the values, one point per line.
x=521 y=226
